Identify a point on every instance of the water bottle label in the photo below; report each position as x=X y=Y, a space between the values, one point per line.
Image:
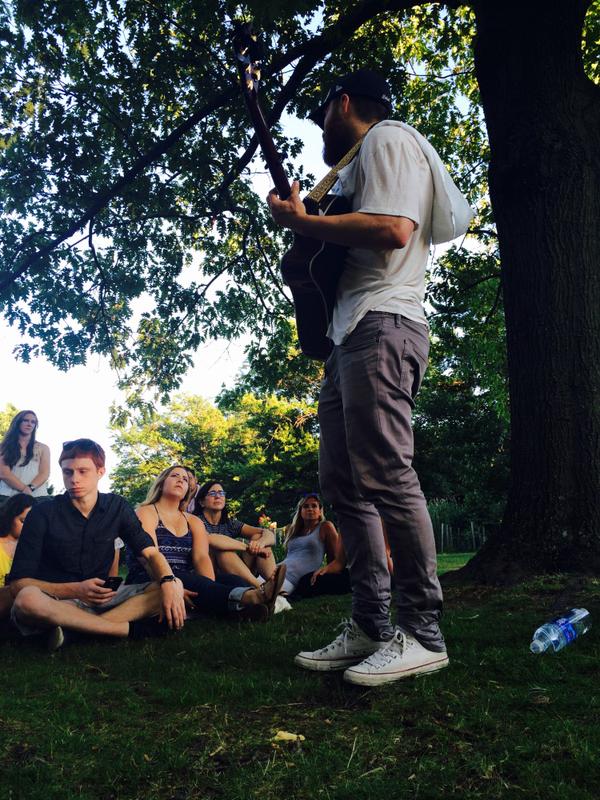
x=567 y=628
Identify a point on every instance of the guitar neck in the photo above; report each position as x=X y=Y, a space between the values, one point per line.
x=265 y=140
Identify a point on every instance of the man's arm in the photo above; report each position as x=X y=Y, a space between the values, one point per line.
x=28 y=555
x=91 y=591
x=356 y=229
x=9 y=477
x=28 y=560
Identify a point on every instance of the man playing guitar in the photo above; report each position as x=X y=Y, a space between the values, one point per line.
x=400 y=198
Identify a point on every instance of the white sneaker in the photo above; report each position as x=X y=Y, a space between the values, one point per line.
x=350 y=647
x=400 y=657
x=281 y=604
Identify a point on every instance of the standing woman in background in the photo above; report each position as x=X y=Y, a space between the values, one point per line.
x=24 y=462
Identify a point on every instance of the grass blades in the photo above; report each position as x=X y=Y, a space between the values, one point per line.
x=197 y=715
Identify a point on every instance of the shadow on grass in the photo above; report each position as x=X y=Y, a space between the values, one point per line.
x=196 y=715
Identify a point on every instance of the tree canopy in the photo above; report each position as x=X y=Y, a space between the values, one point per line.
x=261 y=451
x=264 y=449
x=131 y=226
x=7 y=414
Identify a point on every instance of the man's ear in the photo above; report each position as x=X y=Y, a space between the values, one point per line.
x=344 y=103
x=101 y=471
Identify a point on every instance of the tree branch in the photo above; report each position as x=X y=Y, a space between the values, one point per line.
x=102 y=300
x=309 y=53
x=103 y=198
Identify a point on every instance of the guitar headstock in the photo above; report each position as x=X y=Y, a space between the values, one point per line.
x=249 y=53
x=249 y=56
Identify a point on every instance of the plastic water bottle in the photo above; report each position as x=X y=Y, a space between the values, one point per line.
x=561 y=631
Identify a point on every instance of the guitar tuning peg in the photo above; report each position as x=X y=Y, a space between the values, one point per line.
x=246 y=42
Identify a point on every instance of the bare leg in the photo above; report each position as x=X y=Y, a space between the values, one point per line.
x=147 y=604
x=268 y=592
x=229 y=561
x=264 y=566
x=41 y=611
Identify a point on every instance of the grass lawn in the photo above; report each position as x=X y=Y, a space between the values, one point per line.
x=196 y=715
x=449 y=561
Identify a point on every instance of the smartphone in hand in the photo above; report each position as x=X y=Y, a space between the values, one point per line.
x=113 y=583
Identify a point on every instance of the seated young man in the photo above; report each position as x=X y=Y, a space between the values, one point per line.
x=65 y=554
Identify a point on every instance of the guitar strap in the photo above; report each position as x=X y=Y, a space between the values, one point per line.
x=324 y=185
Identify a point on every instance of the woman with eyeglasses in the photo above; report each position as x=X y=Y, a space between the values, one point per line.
x=251 y=559
x=182 y=539
x=24 y=462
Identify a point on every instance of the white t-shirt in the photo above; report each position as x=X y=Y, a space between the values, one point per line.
x=391 y=176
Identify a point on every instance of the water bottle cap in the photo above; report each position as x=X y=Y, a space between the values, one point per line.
x=537 y=647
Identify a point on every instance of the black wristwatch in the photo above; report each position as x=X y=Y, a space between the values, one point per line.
x=166 y=579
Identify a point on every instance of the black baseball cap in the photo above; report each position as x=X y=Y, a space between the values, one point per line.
x=364 y=82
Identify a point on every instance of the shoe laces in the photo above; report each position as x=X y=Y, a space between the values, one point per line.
x=389 y=650
x=348 y=632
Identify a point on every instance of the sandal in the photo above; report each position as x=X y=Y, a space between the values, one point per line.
x=271 y=588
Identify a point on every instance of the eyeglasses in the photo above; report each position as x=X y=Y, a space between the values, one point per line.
x=216 y=494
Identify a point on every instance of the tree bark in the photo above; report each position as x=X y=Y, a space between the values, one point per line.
x=543 y=120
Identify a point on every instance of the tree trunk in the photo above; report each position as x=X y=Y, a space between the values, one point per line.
x=543 y=120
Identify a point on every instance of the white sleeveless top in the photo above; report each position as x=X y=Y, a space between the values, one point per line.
x=26 y=473
x=305 y=554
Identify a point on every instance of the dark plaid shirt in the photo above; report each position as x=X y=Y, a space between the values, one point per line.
x=59 y=545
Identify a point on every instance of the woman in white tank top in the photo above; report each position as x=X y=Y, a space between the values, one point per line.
x=24 y=462
x=309 y=539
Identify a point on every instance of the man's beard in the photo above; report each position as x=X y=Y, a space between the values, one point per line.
x=337 y=140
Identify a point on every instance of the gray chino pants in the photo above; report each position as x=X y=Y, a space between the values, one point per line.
x=365 y=469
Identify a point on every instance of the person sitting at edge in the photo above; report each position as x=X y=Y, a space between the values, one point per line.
x=66 y=551
x=232 y=556
x=12 y=517
x=402 y=199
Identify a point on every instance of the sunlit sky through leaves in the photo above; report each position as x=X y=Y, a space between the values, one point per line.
x=77 y=402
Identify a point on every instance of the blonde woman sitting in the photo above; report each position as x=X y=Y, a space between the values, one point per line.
x=182 y=539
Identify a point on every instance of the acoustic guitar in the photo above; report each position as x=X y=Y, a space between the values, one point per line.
x=310 y=268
